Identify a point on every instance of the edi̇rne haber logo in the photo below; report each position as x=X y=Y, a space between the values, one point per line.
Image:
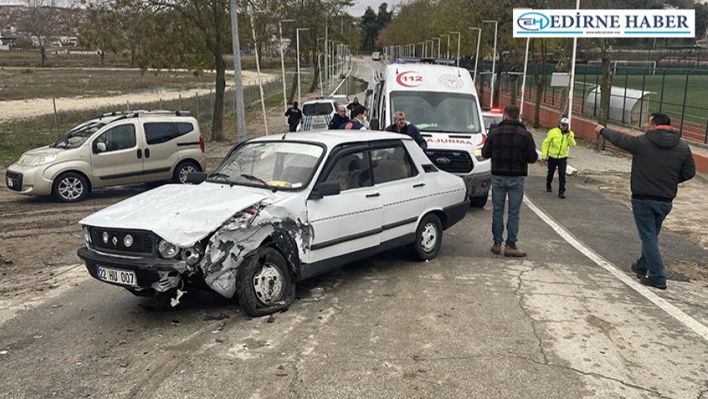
x=533 y=21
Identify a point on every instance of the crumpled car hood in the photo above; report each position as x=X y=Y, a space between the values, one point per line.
x=179 y=213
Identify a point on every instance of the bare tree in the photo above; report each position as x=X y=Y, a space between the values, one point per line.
x=42 y=21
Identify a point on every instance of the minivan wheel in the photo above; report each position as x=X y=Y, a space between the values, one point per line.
x=183 y=169
x=428 y=238
x=70 y=187
x=263 y=283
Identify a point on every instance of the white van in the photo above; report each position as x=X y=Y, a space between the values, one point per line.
x=441 y=101
x=375 y=56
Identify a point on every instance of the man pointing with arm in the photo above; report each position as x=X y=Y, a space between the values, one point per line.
x=660 y=161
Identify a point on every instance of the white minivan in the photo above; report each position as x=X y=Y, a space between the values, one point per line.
x=441 y=101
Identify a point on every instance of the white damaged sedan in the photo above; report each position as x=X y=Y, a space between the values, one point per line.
x=279 y=209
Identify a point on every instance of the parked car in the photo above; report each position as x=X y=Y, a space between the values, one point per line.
x=375 y=56
x=277 y=210
x=113 y=149
x=318 y=112
x=492 y=117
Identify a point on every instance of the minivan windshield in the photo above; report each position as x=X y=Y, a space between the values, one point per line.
x=443 y=112
x=275 y=165
x=315 y=109
x=77 y=136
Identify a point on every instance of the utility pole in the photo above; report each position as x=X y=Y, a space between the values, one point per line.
x=282 y=60
x=238 y=81
x=326 y=49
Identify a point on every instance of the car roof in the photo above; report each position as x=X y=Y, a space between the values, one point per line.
x=332 y=138
x=432 y=77
x=320 y=100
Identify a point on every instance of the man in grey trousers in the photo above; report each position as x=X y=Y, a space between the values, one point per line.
x=660 y=161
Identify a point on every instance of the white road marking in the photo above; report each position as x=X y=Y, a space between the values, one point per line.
x=664 y=305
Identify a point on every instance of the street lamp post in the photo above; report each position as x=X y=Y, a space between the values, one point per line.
x=319 y=68
x=282 y=60
x=494 y=60
x=448 y=45
x=459 y=36
x=422 y=49
x=238 y=80
x=432 y=47
x=299 y=89
x=438 y=39
x=476 y=60
x=572 y=73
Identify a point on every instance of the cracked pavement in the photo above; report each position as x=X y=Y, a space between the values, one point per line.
x=468 y=324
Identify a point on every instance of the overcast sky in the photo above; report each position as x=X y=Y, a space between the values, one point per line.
x=358 y=9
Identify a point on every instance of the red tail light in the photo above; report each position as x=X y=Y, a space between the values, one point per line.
x=496 y=110
x=201 y=143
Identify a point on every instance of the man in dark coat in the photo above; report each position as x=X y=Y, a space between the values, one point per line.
x=660 y=161
x=511 y=148
x=400 y=125
x=294 y=116
x=339 y=118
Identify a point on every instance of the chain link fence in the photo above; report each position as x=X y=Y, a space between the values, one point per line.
x=637 y=91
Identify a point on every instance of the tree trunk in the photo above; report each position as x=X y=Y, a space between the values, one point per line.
x=605 y=93
x=217 y=126
x=514 y=86
x=43 y=51
x=103 y=55
x=132 y=53
x=316 y=74
x=293 y=90
x=497 y=82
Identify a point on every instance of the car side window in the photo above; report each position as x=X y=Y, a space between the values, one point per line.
x=392 y=163
x=184 y=128
x=160 y=132
x=351 y=171
x=118 y=138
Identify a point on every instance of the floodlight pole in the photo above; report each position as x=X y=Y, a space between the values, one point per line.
x=282 y=60
x=494 y=60
x=572 y=74
x=459 y=36
x=476 y=60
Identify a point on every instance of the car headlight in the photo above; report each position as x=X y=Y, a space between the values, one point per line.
x=87 y=235
x=167 y=250
x=193 y=254
x=478 y=155
x=44 y=159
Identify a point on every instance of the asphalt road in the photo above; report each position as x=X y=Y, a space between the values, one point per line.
x=469 y=324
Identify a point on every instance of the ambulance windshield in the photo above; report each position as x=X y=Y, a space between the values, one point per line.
x=438 y=111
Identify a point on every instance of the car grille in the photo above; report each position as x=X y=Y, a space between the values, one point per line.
x=13 y=180
x=143 y=241
x=451 y=161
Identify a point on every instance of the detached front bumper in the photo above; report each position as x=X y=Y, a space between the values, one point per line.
x=151 y=274
x=478 y=184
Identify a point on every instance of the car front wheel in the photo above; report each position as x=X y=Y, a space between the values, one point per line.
x=70 y=187
x=428 y=238
x=263 y=283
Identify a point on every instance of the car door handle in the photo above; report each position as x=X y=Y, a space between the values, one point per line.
x=140 y=153
x=147 y=153
x=419 y=185
x=373 y=195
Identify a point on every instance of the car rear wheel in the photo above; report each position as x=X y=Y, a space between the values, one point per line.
x=182 y=171
x=478 y=202
x=428 y=238
x=263 y=283
x=70 y=187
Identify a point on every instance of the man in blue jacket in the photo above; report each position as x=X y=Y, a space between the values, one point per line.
x=660 y=161
x=400 y=125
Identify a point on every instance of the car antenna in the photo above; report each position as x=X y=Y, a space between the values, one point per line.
x=283 y=138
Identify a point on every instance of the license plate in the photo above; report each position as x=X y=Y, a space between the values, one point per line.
x=319 y=126
x=124 y=277
x=10 y=183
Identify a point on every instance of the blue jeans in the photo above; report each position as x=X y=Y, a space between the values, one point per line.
x=514 y=187
x=649 y=215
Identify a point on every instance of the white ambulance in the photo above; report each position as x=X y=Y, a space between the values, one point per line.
x=441 y=101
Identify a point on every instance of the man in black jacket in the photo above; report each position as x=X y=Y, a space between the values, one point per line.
x=294 y=116
x=339 y=118
x=400 y=125
x=511 y=148
x=660 y=161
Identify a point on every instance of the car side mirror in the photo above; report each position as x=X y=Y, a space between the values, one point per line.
x=325 y=190
x=374 y=124
x=101 y=147
x=196 y=177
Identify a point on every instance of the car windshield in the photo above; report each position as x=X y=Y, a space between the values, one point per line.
x=314 y=109
x=275 y=165
x=77 y=136
x=438 y=111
